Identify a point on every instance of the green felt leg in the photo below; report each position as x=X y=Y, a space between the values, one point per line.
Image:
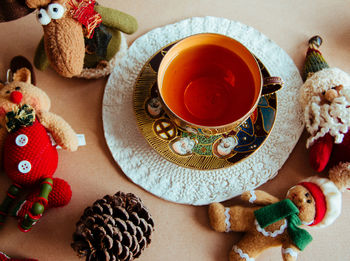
x=41 y=60
x=12 y=194
x=37 y=208
x=114 y=44
x=117 y=20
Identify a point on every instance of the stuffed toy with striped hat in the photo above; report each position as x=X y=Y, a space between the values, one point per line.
x=325 y=98
x=271 y=222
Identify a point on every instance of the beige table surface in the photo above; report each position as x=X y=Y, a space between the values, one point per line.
x=182 y=231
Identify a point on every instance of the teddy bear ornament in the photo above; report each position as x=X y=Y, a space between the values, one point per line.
x=27 y=152
x=325 y=98
x=314 y=202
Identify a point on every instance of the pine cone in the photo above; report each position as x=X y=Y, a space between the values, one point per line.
x=116 y=227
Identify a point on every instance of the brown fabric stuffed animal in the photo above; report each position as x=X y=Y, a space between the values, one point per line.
x=313 y=202
x=63 y=37
x=81 y=37
x=26 y=151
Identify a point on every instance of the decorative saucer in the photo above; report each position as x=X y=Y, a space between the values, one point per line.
x=190 y=148
x=147 y=168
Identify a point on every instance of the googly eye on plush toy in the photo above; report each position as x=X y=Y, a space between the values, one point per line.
x=81 y=38
x=43 y=17
x=55 y=10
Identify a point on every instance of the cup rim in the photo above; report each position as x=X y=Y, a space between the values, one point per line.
x=225 y=126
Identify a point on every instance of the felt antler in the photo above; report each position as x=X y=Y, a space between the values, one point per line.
x=37 y=3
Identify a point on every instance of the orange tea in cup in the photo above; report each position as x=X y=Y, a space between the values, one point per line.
x=208 y=85
x=209 y=80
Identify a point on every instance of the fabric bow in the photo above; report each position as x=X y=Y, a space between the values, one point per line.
x=22 y=116
x=83 y=11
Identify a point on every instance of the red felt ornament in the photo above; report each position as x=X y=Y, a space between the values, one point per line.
x=83 y=11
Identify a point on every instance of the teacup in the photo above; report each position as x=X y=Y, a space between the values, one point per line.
x=210 y=83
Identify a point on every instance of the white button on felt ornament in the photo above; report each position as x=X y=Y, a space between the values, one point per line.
x=24 y=166
x=21 y=140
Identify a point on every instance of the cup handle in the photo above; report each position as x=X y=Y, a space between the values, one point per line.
x=271 y=85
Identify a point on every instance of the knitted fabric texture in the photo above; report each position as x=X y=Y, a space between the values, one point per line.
x=326 y=118
x=60 y=196
x=322 y=81
x=64 y=46
x=314 y=62
x=38 y=151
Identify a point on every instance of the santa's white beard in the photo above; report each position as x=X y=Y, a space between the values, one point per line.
x=331 y=118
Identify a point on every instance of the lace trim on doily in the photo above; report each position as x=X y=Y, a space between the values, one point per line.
x=152 y=172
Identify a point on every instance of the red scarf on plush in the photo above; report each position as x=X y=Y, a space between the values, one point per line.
x=83 y=11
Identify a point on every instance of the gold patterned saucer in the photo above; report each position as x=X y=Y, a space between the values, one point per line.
x=191 y=148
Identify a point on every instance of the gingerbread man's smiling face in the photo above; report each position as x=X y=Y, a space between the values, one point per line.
x=304 y=201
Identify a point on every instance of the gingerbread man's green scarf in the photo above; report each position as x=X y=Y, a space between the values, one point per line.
x=280 y=210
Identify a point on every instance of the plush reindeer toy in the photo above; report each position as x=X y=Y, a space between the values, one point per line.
x=28 y=155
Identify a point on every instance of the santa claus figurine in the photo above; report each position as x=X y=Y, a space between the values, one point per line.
x=325 y=98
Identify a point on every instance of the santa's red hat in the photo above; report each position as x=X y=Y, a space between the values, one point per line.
x=327 y=198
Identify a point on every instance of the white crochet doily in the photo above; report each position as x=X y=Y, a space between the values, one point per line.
x=164 y=179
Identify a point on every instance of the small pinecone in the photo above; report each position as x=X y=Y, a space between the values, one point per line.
x=116 y=227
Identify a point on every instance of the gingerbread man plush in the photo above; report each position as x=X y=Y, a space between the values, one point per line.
x=325 y=98
x=28 y=156
x=271 y=222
